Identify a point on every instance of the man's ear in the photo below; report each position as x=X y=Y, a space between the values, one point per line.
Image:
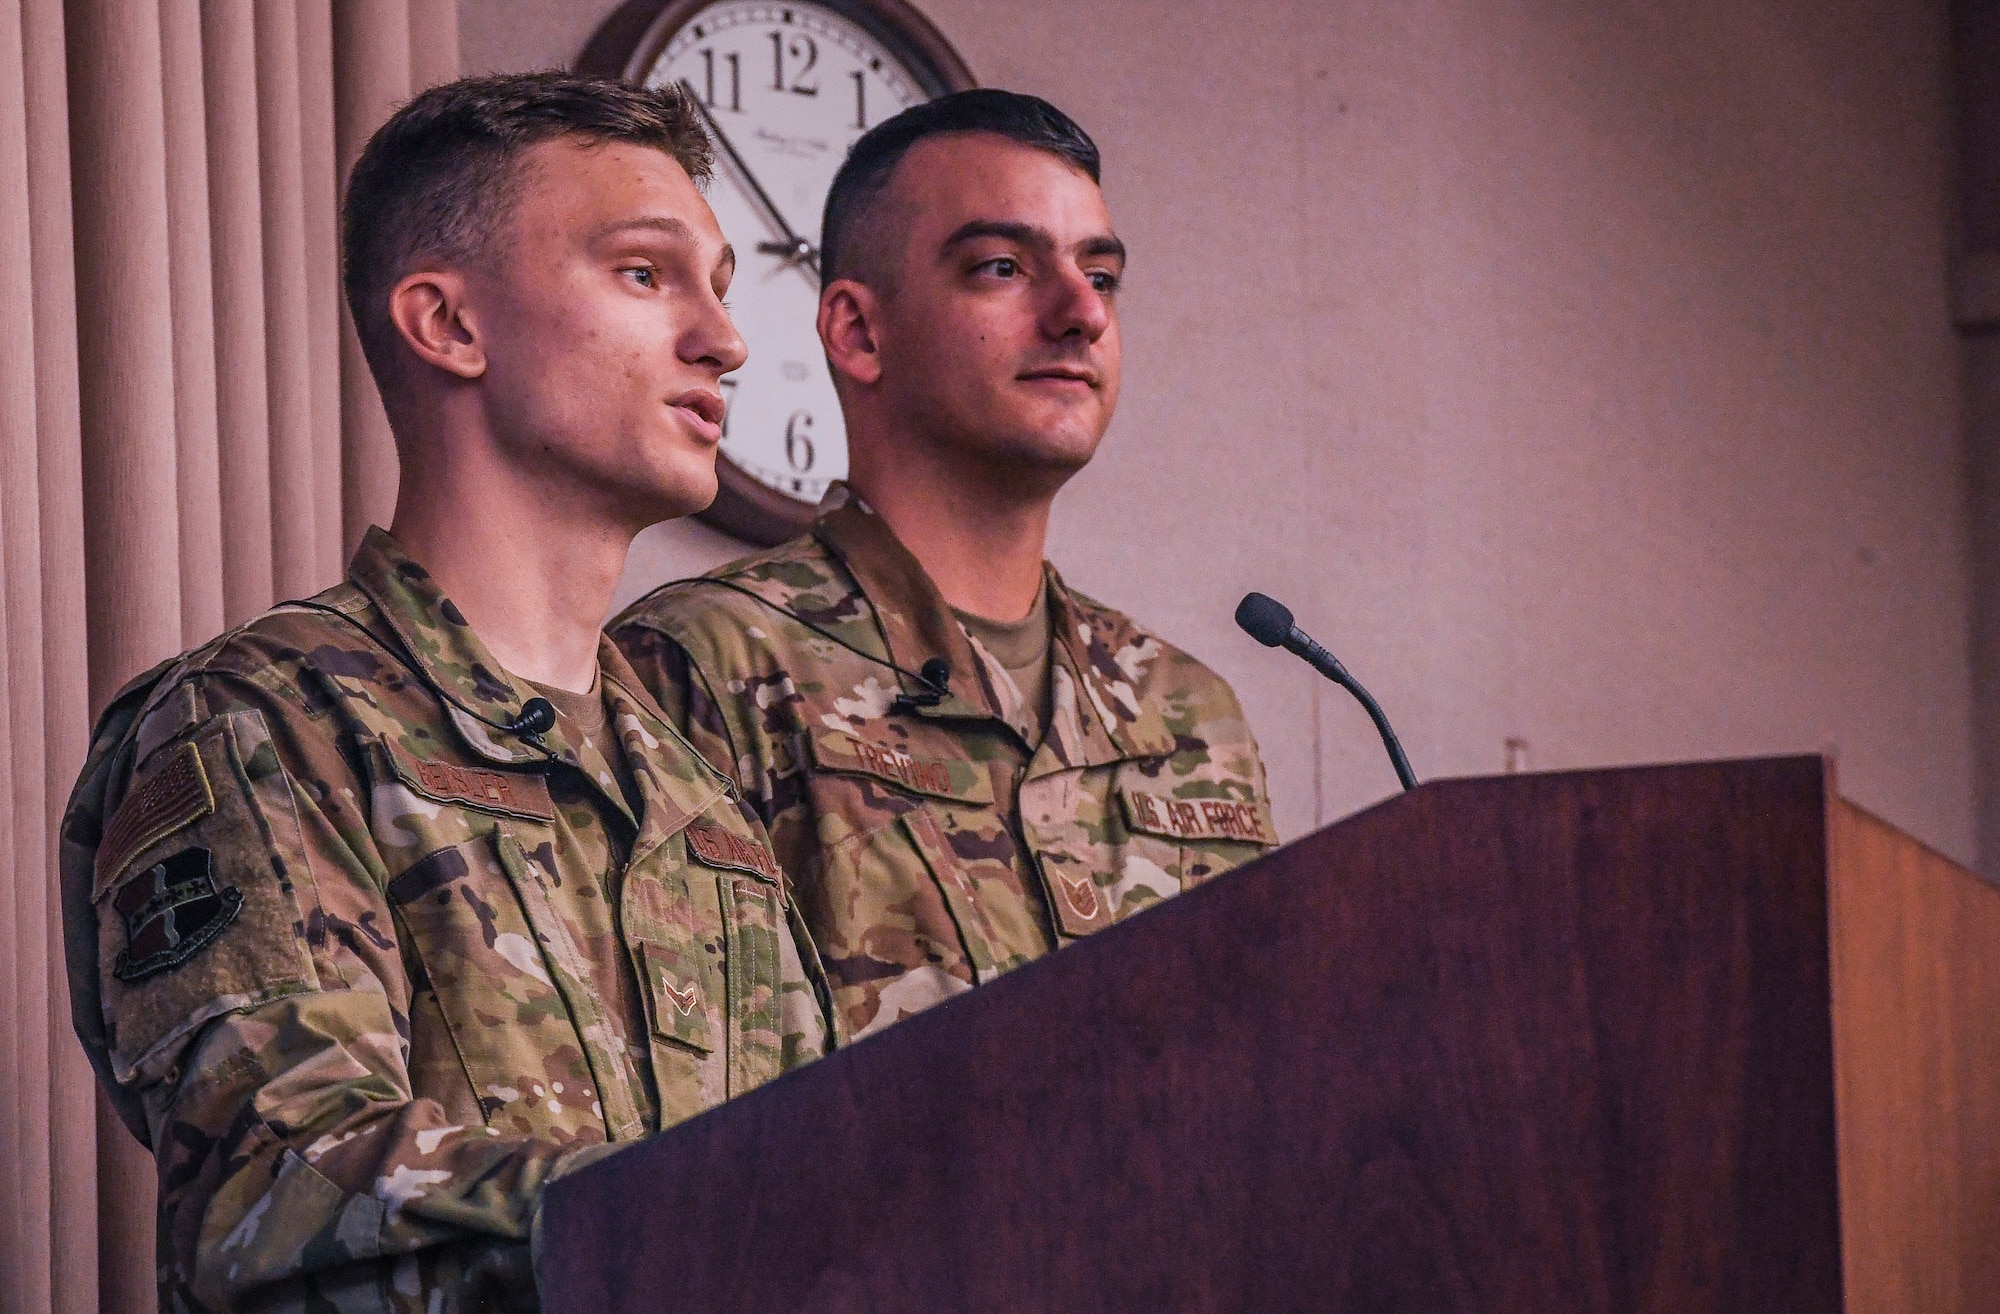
x=430 y=313
x=849 y=314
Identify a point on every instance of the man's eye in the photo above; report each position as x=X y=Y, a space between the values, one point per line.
x=640 y=275
x=1002 y=267
x=1104 y=281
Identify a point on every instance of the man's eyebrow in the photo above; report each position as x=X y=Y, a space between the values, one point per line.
x=664 y=224
x=1029 y=235
x=1005 y=229
x=1107 y=245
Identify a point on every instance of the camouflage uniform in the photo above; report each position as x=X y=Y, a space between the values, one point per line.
x=933 y=848
x=339 y=967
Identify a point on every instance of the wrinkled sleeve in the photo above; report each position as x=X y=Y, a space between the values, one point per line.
x=256 y=1007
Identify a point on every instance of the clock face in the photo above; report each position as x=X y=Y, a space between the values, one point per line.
x=788 y=88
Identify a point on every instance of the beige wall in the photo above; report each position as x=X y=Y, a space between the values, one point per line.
x=1579 y=373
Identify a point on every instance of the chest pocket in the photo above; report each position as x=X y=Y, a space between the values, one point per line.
x=920 y=891
x=493 y=985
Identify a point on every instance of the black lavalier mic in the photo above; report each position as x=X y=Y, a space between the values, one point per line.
x=1269 y=622
x=537 y=718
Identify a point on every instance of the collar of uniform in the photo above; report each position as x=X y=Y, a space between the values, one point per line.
x=1094 y=644
x=916 y=624
x=676 y=784
x=1105 y=655
x=479 y=694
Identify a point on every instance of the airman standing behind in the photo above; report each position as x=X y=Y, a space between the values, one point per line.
x=394 y=903
x=963 y=762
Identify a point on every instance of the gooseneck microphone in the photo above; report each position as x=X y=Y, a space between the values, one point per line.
x=1269 y=622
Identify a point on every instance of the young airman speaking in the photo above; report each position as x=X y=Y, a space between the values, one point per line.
x=397 y=901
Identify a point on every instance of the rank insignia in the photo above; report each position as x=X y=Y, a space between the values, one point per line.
x=172 y=910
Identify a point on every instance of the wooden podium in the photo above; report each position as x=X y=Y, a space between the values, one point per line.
x=1682 y=1038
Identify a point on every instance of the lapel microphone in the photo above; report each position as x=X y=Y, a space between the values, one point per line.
x=936 y=677
x=537 y=718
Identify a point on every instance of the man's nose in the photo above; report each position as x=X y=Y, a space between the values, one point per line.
x=713 y=338
x=1076 y=307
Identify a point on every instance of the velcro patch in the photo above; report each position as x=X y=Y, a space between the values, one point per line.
x=718 y=848
x=1080 y=906
x=843 y=752
x=1198 y=818
x=517 y=793
x=675 y=985
x=172 y=796
x=172 y=910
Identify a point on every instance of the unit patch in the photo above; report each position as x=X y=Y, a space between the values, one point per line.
x=1198 y=818
x=518 y=793
x=172 y=910
x=718 y=848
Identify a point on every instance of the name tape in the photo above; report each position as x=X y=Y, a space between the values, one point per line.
x=718 y=848
x=1198 y=818
x=523 y=795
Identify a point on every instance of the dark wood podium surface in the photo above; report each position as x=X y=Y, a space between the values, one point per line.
x=1532 y=1043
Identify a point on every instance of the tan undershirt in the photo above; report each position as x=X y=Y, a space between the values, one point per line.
x=1022 y=648
x=588 y=718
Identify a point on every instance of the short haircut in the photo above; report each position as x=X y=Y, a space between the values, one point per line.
x=437 y=181
x=865 y=175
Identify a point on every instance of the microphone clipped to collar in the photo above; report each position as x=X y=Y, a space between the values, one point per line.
x=537 y=718
x=935 y=675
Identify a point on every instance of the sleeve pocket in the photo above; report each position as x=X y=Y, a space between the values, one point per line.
x=197 y=914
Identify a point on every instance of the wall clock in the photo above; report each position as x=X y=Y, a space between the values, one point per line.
x=786 y=90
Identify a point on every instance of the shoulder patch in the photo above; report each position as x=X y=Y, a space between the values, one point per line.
x=719 y=848
x=172 y=911
x=518 y=793
x=172 y=796
x=1198 y=818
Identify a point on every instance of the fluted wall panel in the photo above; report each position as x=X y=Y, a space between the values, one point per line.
x=24 y=1144
x=184 y=438
x=72 y=1199
x=372 y=63
x=195 y=441
x=236 y=218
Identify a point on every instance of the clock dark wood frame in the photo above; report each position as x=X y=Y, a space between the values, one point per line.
x=627 y=46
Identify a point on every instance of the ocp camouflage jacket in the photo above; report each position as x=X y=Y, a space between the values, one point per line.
x=334 y=965
x=931 y=848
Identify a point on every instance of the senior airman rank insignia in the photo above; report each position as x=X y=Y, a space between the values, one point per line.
x=172 y=910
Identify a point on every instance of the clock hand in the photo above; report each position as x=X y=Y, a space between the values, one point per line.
x=795 y=248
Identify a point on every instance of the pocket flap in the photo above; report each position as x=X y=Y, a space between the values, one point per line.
x=958 y=779
x=1197 y=818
